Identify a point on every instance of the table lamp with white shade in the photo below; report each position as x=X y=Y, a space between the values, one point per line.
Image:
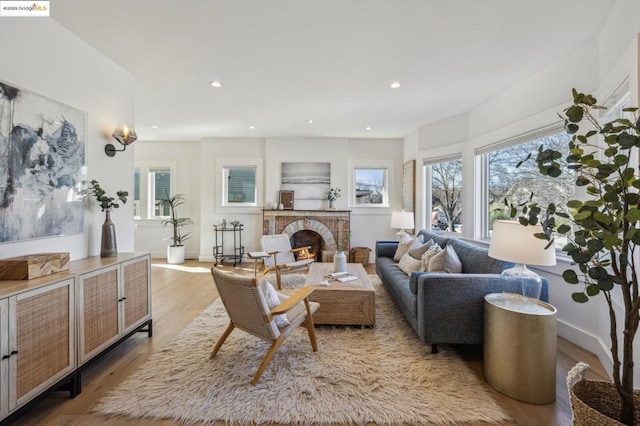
x=401 y=220
x=516 y=243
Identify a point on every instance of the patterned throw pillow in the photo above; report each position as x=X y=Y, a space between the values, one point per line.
x=417 y=252
x=446 y=261
x=408 y=264
x=403 y=246
x=427 y=255
x=273 y=298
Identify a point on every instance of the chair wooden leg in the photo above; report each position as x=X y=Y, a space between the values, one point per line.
x=221 y=340
x=267 y=359
x=310 y=328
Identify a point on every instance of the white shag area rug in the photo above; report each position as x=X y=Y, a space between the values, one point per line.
x=383 y=375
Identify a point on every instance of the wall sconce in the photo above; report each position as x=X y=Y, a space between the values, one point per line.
x=123 y=134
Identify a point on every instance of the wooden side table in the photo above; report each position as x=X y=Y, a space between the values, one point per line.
x=520 y=347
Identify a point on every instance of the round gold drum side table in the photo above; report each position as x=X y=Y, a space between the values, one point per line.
x=520 y=347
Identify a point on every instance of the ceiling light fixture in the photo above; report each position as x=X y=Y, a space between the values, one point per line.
x=367 y=128
x=252 y=127
x=395 y=85
x=215 y=83
x=155 y=126
x=310 y=121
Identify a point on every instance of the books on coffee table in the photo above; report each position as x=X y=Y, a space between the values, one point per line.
x=341 y=276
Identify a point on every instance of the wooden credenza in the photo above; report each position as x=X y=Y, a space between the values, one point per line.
x=53 y=326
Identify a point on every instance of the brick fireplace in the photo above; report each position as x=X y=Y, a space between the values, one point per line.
x=321 y=229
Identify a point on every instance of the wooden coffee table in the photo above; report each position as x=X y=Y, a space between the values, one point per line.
x=350 y=303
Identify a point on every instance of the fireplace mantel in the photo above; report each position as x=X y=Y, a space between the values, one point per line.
x=332 y=225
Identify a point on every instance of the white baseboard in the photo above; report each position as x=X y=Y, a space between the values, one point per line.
x=588 y=342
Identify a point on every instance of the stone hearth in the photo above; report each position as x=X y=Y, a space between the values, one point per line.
x=332 y=226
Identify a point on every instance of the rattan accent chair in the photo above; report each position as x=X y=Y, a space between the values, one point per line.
x=283 y=260
x=247 y=308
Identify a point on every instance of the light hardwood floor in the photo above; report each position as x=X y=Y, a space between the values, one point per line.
x=182 y=292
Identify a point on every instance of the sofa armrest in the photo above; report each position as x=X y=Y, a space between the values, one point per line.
x=451 y=306
x=386 y=248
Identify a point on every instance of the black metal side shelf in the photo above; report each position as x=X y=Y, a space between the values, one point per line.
x=218 y=249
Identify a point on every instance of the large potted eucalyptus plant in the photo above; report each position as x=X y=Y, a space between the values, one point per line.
x=603 y=239
x=176 y=250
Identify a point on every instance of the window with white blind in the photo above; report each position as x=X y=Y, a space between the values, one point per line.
x=240 y=185
x=240 y=182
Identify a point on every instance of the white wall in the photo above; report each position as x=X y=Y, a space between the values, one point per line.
x=597 y=67
x=41 y=56
x=150 y=235
x=200 y=181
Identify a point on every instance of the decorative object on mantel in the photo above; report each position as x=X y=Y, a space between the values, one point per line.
x=286 y=200
x=123 y=134
x=176 y=250
x=33 y=265
x=334 y=194
x=108 y=246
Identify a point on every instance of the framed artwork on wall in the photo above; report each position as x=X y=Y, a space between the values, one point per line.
x=311 y=181
x=286 y=199
x=408 y=185
x=42 y=166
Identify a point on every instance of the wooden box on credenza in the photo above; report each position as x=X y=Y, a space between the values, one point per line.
x=32 y=266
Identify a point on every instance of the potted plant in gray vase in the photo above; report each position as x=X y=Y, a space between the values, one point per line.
x=176 y=251
x=603 y=234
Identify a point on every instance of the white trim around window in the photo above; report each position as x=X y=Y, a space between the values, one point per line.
x=146 y=203
x=388 y=194
x=222 y=167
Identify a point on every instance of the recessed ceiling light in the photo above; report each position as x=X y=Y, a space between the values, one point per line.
x=310 y=121
x=395 y=85
x=155 y=126
x=215 y=83
x=368 y=128
x=252 y=127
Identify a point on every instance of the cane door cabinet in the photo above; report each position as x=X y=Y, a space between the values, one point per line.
x=50 y=327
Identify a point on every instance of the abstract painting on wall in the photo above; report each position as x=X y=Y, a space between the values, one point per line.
x=42 y=157
x=309 y=181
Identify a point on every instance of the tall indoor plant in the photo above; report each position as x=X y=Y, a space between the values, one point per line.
x=108 y=243
x=603 y=230
x=176 y=251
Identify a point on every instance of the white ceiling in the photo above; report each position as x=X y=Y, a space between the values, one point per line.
x=283 y=62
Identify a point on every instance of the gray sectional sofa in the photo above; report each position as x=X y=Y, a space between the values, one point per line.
x=441 y=307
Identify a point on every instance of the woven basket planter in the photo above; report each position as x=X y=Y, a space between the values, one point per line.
x=595 y=402
x=360 y=255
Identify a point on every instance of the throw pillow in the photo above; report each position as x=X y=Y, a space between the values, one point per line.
x=446 y=261
x=417 y=252
x=428 y=255
x=403 y=246
x=408 y=264
x=273 y=298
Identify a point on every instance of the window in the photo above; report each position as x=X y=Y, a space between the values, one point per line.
x=445 y=185
x=504 y=180
x=240 y=185
x=370 y=186
x=150 y=181
x=159 y=190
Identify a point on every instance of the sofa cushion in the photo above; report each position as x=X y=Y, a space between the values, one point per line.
x=273 y=298
x=408 y=264
x=476 y=260
x=417 y=252
x=438 y=239
x=427 y=255
x=446 y=261
x=403 y=246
